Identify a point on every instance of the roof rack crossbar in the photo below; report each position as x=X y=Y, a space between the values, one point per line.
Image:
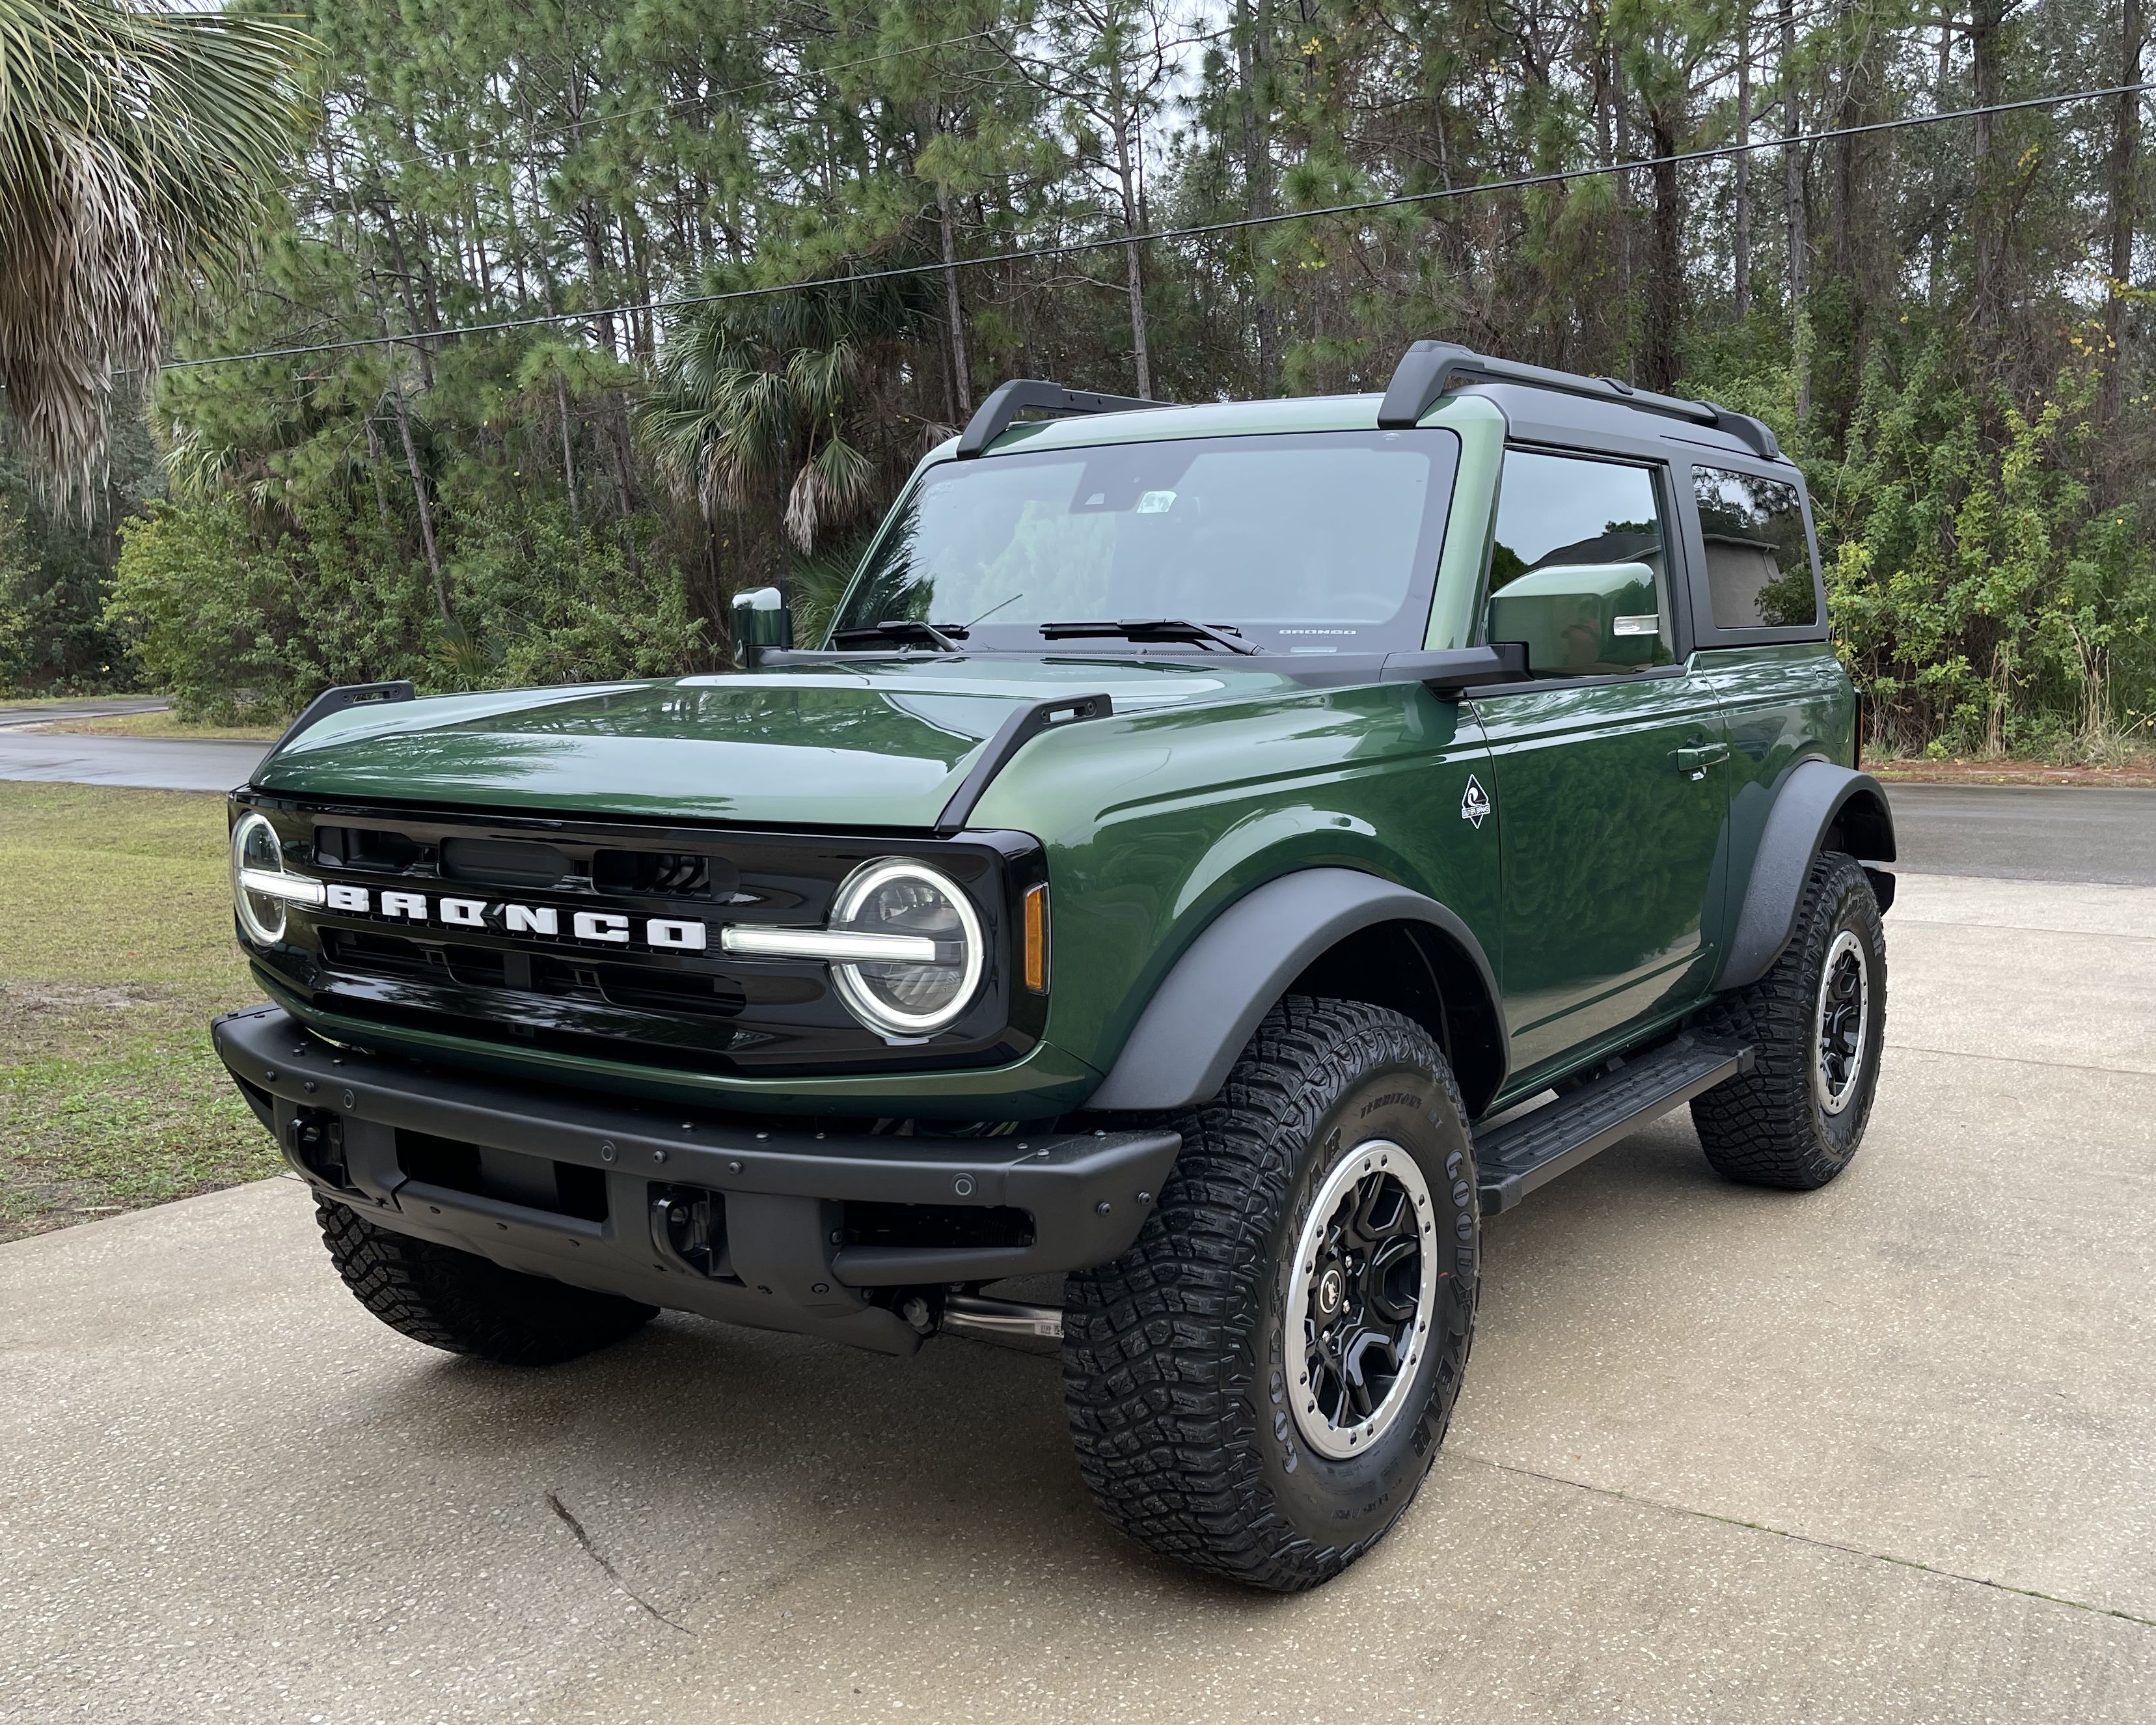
x=1430 y=370
x=995 y=415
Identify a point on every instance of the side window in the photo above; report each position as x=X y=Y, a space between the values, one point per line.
x=1579 y=571
x=1758 y=562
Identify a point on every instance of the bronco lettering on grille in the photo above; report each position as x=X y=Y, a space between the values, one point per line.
x=594 y=928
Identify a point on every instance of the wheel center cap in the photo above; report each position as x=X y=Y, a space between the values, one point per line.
x=1328 y=1292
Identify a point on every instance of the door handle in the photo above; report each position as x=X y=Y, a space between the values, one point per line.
x=1698 y=759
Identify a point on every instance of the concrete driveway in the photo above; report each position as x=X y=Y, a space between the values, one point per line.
x=1878 y=1453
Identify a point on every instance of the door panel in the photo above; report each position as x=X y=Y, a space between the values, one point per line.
x=1611 y=887
x=1610 y=771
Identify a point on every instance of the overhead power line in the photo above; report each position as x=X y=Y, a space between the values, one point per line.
x=1516 y=182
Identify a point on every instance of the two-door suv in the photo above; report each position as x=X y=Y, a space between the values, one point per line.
x=1218 y=855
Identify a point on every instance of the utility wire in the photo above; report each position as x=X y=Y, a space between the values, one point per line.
x=1526 y=182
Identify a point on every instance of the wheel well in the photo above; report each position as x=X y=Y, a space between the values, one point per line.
x=1422 y=974
x=1862 y=827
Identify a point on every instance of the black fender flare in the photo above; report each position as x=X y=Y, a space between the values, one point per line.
x=1814 y=799
x=1204 y=1011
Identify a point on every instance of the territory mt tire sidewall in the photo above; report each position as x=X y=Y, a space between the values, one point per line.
x=1346 y=1502
x=1855 y=912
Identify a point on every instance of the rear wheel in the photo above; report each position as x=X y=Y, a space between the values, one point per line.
x=1818 y=1021
x=1258 y=1386
x=462 y=1304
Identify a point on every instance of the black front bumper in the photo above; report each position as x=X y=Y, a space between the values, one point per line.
x=350 y=1123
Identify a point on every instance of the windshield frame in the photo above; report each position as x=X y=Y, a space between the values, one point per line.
x=1404 y=630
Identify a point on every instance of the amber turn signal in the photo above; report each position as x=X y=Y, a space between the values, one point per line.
x=1036 y=938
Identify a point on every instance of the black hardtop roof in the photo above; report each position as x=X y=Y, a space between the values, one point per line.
x=1531 y=396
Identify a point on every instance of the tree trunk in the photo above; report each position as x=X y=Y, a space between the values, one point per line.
x=1659 y=363
x=2125 y=156
x=568 y=452
x=1258 y=183
x=1987 y=219
x=374 y=470
x=1793 y=174
x=1134 y=274
x=961 y=373
x=1740 y=241
x=419 y=499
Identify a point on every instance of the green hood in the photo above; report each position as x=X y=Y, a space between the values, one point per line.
x=880 y=743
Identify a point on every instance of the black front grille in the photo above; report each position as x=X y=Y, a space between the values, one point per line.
x=513 y=968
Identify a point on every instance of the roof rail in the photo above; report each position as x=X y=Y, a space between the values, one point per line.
x=1430 y=370
x=994 y=417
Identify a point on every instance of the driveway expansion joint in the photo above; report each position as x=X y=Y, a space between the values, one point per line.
x=1812 y=1540
x=2020 y=1060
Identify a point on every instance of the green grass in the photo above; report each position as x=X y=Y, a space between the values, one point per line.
x=115 y=951
x=164 y=724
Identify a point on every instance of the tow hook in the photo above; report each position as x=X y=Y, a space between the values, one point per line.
x=975 y=1315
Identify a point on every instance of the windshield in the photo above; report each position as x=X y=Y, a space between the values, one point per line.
x=1311 y=542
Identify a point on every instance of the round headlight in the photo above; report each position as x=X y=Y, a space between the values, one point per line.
x=911 y=996
x=255 y=846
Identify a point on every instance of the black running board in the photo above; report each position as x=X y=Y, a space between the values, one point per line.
x=1534 y=1148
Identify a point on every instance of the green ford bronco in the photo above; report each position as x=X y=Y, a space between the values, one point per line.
x=1218 y=855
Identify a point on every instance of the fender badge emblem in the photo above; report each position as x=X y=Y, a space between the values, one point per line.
x=1474 y=803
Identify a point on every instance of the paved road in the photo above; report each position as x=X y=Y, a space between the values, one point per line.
x=2027 y=832
x=149 y=763
x=1880 y=1453
x=2034 y=833
x=90 y=706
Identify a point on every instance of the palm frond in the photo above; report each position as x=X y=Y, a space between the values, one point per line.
x=135 y=147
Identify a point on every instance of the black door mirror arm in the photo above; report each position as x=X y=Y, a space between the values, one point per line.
x=1453 y=672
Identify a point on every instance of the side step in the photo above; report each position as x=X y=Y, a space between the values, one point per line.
x=1535 y=1147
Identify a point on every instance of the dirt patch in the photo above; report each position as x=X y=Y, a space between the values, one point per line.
x=2139 y=773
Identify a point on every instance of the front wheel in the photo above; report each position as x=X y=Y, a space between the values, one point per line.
x=463 y=1304
x=1259 y=1385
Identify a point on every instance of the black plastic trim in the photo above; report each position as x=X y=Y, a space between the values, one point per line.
x=1515 y=1156
x=1007 y=401
x=1810 y=798
x=1207 y=1008
x=1428 y=370
x=344 y=695
x=1088 y=1192
x=1454 y=672
x=1012 y=734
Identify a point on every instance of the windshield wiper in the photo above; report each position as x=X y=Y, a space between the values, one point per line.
x=1153 y=629
x=943 y=636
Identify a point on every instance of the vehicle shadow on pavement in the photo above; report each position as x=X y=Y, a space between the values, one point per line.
x=698 y=1449
x=702 y=1451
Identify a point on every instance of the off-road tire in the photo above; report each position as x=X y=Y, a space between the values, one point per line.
x=1769 y=1127
x=462 y=1304
x=1176 y=1366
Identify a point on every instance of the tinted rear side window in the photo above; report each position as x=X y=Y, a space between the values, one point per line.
x=1758 y=562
